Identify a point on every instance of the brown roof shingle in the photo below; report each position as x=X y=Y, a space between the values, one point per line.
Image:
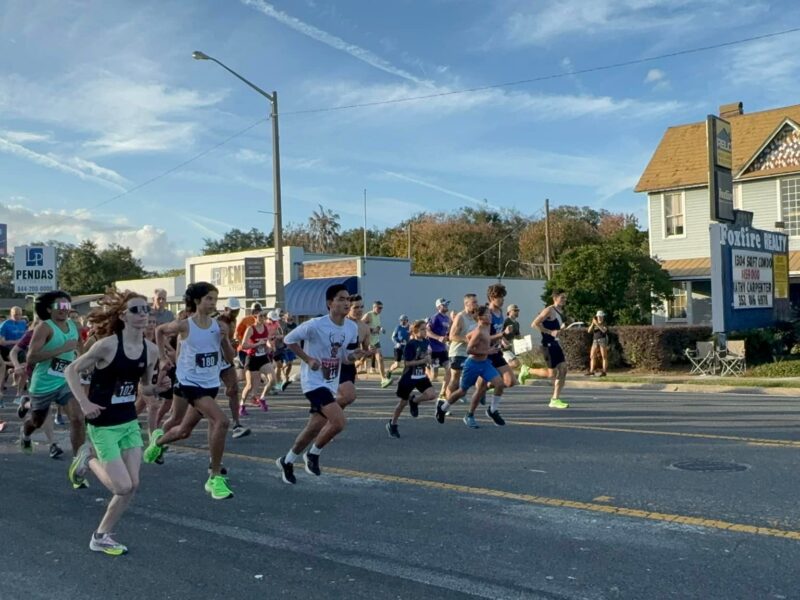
x=681 y=158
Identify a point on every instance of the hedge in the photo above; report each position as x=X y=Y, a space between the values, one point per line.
x=640 y=346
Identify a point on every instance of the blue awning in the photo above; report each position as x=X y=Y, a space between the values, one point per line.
x=306 y=297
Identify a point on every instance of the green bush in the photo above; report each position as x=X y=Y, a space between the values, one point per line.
x=658 y=348
x=785 y=368
x=770 y=343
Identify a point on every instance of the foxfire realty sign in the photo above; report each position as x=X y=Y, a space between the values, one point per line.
x=34 y=269
x=748 y=270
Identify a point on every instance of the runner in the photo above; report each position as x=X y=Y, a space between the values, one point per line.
x=23 y=371
x=160 y=311
x=550 y=322
x=477 y=365
x=463 y=323
x=400 y=337
x=496 y=294
x=227 y=374
x=438 y=335
x=417 y=356
x=123 y=363
x=53 y=347
x=511 y=326
x=276 y=341
x=11 y=332
x=346 y=392
x=202 y=340
x=373 y=319
x=285 y=357
x=247 y=321
x=258 y=347
x=325 y=341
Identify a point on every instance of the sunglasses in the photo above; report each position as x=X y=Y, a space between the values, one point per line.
x=61 y=305
x=142 y=309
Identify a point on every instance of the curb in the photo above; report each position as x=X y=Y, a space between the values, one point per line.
x=692 y=388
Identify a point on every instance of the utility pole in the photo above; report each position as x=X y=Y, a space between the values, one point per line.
x=547 y=237
x=365 y=222
x=500 y=259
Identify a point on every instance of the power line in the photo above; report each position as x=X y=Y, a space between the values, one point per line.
x=559 y=75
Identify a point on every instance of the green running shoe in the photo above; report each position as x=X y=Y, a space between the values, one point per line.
x=106 y=544
x=153 y=451
x=558 y=403
x=524 y=374
x=217 y=486
x=79 y=466
x=386 y=382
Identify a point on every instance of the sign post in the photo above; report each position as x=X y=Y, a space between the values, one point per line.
x=35 y=269
x=720 y=165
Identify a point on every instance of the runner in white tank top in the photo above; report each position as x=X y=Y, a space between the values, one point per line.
x=204 y=342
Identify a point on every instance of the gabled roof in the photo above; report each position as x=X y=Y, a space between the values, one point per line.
x=681 y=158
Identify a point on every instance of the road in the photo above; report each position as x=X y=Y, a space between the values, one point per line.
x=627 y=494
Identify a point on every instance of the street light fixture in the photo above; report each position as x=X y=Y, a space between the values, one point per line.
x=277 y=233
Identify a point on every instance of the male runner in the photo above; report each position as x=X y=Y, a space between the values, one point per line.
x=160 y=310
x=373 y=319
x=202 y=341
x=122 y=363
x=227 y=373
x=325 y=342
x=438 y=335
x=11 y=331
x=478 y=365
x=463 y=323
x=53 y=346
x=496 y=295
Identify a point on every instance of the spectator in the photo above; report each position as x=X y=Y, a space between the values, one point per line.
x=599 y=331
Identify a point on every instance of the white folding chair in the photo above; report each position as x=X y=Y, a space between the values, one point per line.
x=732 y=358
x=703 y=358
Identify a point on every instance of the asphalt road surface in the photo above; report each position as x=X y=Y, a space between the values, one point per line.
x=627 y=494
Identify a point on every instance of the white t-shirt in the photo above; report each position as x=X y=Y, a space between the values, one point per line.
x=327 y=342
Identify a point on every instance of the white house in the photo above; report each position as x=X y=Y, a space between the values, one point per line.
x=766 y=172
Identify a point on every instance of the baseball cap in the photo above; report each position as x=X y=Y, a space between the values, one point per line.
x=255 y=307
x=233 y=304
x=274 y=315
x=600 y=313
x=442 y=302
x=512 y=307
x=403 y=318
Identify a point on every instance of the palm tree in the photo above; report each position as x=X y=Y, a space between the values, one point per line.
x=323 y=229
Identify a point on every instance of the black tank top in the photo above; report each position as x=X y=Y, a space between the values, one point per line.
x=114 y=387
x=552 y=325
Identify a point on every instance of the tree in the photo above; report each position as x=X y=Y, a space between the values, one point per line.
x=85 y=270
x=323 y=230
x=616 y=277
x=118 y=263
x=237 y=240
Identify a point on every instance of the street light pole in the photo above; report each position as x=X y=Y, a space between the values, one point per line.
x=277 y=233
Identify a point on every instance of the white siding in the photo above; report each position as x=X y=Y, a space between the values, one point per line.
x=695 y=243
x=761 y=198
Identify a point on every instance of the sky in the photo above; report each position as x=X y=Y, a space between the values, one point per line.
x=101 y=107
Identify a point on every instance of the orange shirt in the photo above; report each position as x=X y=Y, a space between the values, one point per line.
x=248 y=321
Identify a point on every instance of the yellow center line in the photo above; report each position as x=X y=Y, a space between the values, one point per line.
x=540 y=500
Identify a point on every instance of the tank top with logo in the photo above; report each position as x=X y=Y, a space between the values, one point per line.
x=199 y=358
x=48 y=375
x=258 y=337
x=114 y=387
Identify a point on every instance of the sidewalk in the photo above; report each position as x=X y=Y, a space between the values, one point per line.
x=705 y=384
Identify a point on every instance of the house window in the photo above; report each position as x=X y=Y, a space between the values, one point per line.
x=677 y=306
x=790 y=205
x=737 y=197
x=673 y=214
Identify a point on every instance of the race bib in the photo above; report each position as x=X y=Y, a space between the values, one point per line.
x=206 y=360
x=124 y=392
x=57 y=366
x=261 y=351
x=418 y=372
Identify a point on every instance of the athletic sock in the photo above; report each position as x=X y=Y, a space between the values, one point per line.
x=496 y=402
x=290 y=457
x=445 y=406
x=315 y=450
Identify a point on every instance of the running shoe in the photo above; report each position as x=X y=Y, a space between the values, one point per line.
x=24 y=406
x=558 y=403
x=495 y=416
x=58 y=419
x=588 y=374
x=439 y=412
x=470 y=422
x=25 y=445
x=392 y=429
x=243 y=411
x=312 y=463
x=217 y=486
x=285 y=384
x=524 y=374
x=79 y=466
x=106 y=544
x=386 y=382
x=55 y=451
x=264 y=405
x=413 y=406
x=287 y=471
x=239 y=431
x=153 y=450
x=603 y=374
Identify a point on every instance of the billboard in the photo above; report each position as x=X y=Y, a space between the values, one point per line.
x=35 y=269
x=749 y=277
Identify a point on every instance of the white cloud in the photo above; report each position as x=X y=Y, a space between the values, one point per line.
x=333 y=41
x=148 y=243
x=444 y=190
x=654 y=75
x=114 y=114
x=771 y=65
x=84 y=169
x=289 y=163
x=23 y=137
